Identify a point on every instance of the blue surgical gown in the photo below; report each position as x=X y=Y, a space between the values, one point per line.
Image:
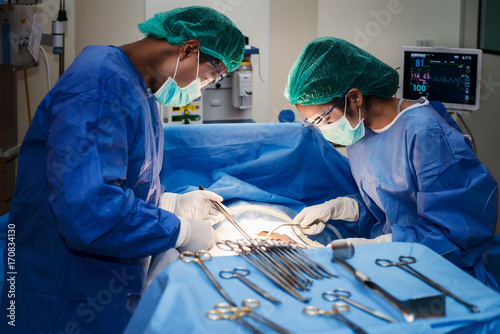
x=84 y=207
x=422 y=181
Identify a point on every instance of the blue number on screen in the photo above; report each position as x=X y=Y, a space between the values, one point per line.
x=419 y=88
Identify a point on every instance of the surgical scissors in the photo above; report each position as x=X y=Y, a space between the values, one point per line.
x=335 y=313
x=233 y=313
x=345 y=296
x=199 y=257
x=240 y=274
x=404 y=263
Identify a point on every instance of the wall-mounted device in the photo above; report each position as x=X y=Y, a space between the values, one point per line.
x=230 y=100
x=449 y=75
x=190 y=114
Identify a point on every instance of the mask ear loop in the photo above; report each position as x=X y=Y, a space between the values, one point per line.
x=198 y=66
x=359 y=111
x=345 y=106
x=176 y=66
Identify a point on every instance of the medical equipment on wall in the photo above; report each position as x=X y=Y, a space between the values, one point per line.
x=20 y=39
x=189 y=114
x=230 y=100
x=14 y=56
x=449 y=75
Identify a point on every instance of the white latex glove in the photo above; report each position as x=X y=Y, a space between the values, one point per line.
x=193 y=205
x=313 y=218
x=362 y=241
x=195 y=235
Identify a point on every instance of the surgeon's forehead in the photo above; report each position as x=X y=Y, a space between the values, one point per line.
x=312 y=110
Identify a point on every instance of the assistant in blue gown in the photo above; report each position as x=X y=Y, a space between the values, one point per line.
x=84 y=207
x=422 y=181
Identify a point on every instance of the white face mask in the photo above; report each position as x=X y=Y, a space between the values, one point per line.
x=341 y=132
x=170 y=94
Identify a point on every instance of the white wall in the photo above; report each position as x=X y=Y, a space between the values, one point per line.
x=107 y=22
x=293 y=23
x=381 y=27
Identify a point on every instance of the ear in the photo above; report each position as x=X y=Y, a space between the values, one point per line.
x=190 y=47
x=356 y=97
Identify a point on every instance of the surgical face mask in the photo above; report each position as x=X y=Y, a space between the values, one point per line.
x=170 y=94
x=341 y=132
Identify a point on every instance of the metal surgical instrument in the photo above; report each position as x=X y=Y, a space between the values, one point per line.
x=263 y=267
x=226 y=214
x=404 y=263
x=240 y=274
x=345 y=296
x=412 y=309
x=335 y=313
x=199 y=257
x=233 y=313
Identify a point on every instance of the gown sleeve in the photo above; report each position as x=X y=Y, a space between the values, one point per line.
x=90 y=134
x=457 y=198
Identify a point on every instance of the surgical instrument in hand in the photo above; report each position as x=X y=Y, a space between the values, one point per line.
x=345 y=296
x=404 y=263
x=416 y=308
x=335 y=313
x=240 y=274
x=226 y=214
x=199 y=257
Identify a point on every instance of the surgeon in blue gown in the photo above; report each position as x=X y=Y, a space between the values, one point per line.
x=85 y=208
x=418 y=177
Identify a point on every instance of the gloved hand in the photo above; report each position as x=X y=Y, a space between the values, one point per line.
x=362 y=241
x=195 y=235
x=193 y=205
x=313 y=218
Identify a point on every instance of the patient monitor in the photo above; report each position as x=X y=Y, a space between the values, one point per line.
x=449 y=75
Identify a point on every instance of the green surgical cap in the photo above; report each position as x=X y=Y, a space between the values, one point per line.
x=328 y=66
x=218 y=35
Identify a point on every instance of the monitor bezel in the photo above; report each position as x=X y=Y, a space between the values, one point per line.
x=462 y=51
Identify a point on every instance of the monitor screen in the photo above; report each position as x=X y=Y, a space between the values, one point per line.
x=451 y=76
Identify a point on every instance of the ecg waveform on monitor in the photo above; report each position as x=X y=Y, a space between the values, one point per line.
x=446 y=80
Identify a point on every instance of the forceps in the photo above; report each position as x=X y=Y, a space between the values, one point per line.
x=262 y=266
x=344 y=295
x=335 y=313
x=240 y=274
x=226 y=214
x=404 y=263
x=199 y=257
x=233 y=313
